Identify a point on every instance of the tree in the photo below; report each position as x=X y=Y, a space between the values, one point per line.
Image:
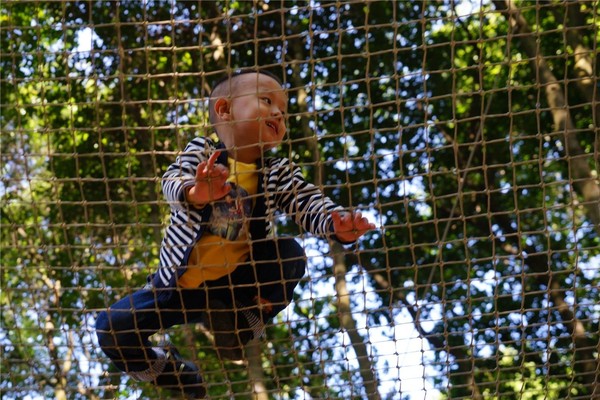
x=532 y=171
x=472 y=138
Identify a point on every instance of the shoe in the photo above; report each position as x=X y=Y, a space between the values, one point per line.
x=180 y=376
x=229 y=328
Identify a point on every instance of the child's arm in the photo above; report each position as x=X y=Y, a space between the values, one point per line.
x=193 y=169
x=211 y=182
x=311 y=209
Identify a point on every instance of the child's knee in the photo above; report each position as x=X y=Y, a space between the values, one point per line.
x=289 y=248
x=103 y=331
x=293 y=257
x=296 y=269
x=102 y=323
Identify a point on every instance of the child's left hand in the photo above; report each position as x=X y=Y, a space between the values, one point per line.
x=349 y=227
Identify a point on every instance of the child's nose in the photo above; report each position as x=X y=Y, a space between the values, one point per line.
x=275 y=111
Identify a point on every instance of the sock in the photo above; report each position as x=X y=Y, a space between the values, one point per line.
x=254 y=323
x=156 y=368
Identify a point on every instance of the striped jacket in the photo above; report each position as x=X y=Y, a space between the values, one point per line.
x=281 y=187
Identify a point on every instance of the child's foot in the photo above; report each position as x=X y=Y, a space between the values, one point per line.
x=230 y=330
x=180 y=376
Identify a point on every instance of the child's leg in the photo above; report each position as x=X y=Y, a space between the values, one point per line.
x=279 y=267
x=123 y=331
x=259 y=290
x=269 y=278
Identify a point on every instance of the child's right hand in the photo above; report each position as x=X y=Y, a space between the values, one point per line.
x=211 y=182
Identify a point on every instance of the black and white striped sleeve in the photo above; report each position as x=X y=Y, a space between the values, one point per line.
x=182 y=173
x=302 y=201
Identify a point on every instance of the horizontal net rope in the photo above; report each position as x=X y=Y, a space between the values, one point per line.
x=466 y=133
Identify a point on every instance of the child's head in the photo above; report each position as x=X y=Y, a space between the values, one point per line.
x=248 y=110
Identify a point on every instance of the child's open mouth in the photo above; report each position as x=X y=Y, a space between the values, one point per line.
x=273 y=126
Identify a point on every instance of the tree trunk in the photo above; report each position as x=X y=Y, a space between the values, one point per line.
x=584 y=71
x=255 y=371
x=582 y=179
x=347 y=321
x=583 y=68
x=584 y=362
x=366 y=366
x=60 y=370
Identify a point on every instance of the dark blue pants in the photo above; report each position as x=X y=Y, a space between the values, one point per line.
x=272 y=274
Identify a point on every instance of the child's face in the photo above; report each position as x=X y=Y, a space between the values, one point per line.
x=256 y=119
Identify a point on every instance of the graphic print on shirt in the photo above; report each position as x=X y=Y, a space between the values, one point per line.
x=229 y=213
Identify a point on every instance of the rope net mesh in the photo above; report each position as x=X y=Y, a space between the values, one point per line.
x=466 y=131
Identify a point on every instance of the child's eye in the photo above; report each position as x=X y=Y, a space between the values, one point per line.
x=266 y=99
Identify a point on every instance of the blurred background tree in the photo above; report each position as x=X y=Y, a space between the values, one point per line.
x=468 y=132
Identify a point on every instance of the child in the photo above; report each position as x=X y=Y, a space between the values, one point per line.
x=219 y=263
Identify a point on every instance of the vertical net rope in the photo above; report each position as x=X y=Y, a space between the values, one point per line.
x=467 y=132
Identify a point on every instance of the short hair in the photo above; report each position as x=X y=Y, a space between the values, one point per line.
x=224 y=84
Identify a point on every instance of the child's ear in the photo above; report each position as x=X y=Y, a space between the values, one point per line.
x=223 y=108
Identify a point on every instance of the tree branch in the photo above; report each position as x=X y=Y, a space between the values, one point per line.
x=583 y=68
x=540 y=264
x=580 y=174
x=370 y=380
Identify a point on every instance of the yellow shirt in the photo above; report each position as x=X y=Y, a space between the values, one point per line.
x=224 y=245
